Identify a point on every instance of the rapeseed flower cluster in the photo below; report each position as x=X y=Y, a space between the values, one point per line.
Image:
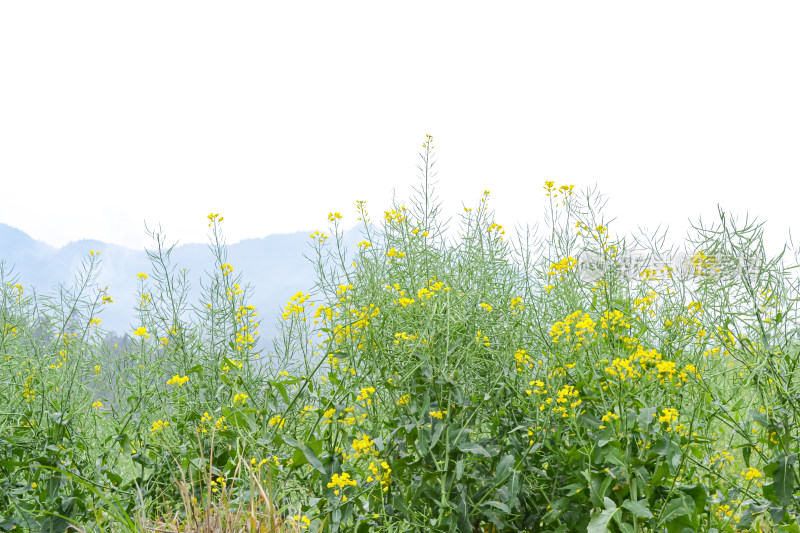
x=608 y=417
x=428 y=292
x=516 y=303
x=752 y=473
x=384 y=478
x=549 y=187
x=302 y=521
x=342 y=289
x=202 y=427
x=395 y=216
x=613 y=320
x=394 y=253
x=158 y=425
x=234 y=292
x=295 y=305
x=538 y=388
x=320 y=237
x=701 y=262
x=363 y=445
x=497 y=228
x=579 y=324
x=405 y=336
x=647 y=363
x=365 y=395
x=643 y=304
x=339 y=364
x=356 y=330
x=60 y=360
x=245 y=317
x=342 y=482
x=403 y=300
x=724 y=511
x=564 y=396
x=719 y=460
x=670 y=415
x=177 y=380
x=565 y=265
x=523 y=359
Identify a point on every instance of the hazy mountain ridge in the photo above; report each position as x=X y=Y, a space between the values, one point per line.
x=274 y=267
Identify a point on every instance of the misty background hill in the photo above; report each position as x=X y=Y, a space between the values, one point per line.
x=274 y=267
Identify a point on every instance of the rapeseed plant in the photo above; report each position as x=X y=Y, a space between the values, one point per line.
x=421 y=384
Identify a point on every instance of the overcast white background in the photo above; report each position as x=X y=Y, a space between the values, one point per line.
x=274 y=114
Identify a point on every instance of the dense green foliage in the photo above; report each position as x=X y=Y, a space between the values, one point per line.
x=422 y=385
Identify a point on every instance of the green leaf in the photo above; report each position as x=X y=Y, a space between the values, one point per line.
x=677 y=507
x=59 y=418
x=500 y=505
x=336 y=519
x=307 y=453
x=784 y=479
x=759 y=418
x=503 y=469
x=142 y=459
x=423 y=441
x=614 y=456
x=437 y=432
x=660 y=473
x=645 y=417
x=281 y=388
x=514 y=486
x=459 y=469
x=638 y=508
x=698 y=494
x=473 y=448
x=599 y=521
x=746 y=452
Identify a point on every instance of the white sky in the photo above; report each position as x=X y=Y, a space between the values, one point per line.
x=275 y=113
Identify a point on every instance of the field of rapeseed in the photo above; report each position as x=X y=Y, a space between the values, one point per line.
x=423 y=384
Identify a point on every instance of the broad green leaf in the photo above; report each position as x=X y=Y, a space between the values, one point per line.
x=473 y=448
x=646 y=417
x=307 y=452
x=281 y=388
x=500 y=505
x=677 y=507
x=638 y=508
x=661 y=472
x=697 y=493
x=599 y=521
x=437 y=432
x=459 y=469
x=503 y=469
x=613 y=455
x=759 y=418
x=784 y=479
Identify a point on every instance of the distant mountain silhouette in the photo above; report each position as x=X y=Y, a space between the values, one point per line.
x=274 y=267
